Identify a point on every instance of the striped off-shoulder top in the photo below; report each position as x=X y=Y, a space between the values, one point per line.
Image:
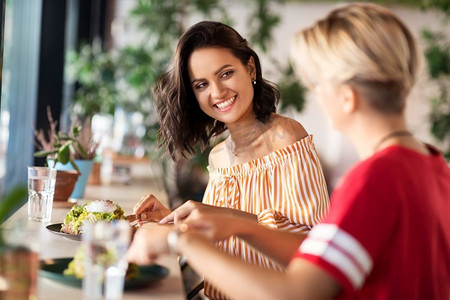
x=286 y=189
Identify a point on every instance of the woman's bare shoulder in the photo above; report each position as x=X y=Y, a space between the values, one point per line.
x=285 y=131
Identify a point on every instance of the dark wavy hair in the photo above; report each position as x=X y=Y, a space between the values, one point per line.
x=183 y=124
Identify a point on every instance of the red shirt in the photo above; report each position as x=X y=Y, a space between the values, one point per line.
x=387 y=235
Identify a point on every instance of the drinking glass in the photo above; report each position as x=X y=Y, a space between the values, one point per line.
x=41 y=188
x=105 y=245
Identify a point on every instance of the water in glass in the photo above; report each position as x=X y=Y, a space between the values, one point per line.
x=41 y=188
x=105 y=246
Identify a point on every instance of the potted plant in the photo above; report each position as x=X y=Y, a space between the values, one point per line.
x=67 y=153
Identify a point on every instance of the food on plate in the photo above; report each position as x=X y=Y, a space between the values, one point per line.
x=99 y=210
x=105 y=258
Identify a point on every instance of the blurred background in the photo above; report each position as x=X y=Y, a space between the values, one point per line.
x=92 y=62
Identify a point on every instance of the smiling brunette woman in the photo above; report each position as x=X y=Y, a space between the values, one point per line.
x=267 y=171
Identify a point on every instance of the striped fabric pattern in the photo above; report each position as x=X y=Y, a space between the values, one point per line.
x=341 y=250
x=286 y=189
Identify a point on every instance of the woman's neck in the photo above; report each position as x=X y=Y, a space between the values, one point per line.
x=376 y=134
x=243 y=136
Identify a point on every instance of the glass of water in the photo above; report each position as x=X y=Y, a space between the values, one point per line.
x=41 y=188
x=105 y=245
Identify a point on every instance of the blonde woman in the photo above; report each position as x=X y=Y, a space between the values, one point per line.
x=387 y=235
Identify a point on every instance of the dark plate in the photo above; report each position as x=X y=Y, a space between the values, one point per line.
x=56 y=228
x=54 y=268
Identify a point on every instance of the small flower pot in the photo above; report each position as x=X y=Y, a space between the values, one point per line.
x=85 y=167
x=65 y=183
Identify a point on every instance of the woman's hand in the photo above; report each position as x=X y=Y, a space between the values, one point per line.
x=151 y=207
x=217 y=227
x=149 y=242
x=215 y=223
x=192 y=209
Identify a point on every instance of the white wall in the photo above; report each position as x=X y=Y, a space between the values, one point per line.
x=334 y=149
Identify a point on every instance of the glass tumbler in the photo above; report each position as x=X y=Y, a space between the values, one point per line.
x=105 y=245
x=41 y=188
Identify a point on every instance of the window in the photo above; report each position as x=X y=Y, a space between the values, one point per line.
x=19 y=89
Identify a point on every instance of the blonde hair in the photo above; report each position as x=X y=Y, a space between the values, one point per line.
x=364 y=45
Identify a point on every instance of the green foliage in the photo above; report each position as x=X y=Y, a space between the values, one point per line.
x=11 y=202
x=437 y=53
x=292 y=92
x=440 y=117
x=442 y=5
x=95 y=73
x=262 y=21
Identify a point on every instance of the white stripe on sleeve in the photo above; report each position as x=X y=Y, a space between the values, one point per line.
x=341 y=250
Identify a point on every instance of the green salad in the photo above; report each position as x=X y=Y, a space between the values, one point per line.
x=99 y=210
x=76 y=266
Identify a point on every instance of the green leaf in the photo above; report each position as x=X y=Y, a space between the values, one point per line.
x=82 y=151
x=64 y=154
x=65 y=138
x=76 y=131
x=72 y=149
x=440 y=127
x=45 y=153
x=13 y=200
x=74 y=165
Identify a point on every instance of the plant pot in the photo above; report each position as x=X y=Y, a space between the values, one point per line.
x=65 y=183
x=85 y=167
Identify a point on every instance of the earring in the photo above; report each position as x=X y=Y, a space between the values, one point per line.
x=254 y=82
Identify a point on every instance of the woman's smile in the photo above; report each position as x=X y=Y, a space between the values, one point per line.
x=226 y=105
x=222 y=84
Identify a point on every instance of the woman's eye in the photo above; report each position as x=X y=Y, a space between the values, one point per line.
x=226 y=74
x=200 y=85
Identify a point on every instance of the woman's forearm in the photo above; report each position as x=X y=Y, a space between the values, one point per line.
x=232 y=276
x=245 y=226
x=240 y=214
x=240 y=280
x=277 y=244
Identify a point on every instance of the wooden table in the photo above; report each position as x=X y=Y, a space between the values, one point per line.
x=51 y=245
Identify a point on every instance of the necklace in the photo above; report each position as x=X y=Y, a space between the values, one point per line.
x=391 y=135
x=245 y=143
